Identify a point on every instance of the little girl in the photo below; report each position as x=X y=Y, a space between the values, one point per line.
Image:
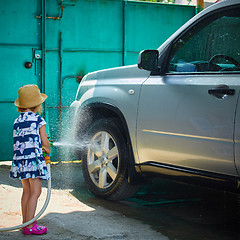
x=30 y=138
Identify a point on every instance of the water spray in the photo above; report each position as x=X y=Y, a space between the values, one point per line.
x=48 y=162
x=77 y=145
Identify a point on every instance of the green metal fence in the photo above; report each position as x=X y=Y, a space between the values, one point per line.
x=65 y=39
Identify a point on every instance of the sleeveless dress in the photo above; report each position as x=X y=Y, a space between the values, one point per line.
x=28 y=161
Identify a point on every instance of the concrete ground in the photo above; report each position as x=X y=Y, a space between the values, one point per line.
x=66 y=216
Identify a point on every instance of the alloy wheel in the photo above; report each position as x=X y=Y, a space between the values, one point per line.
x=103 y=160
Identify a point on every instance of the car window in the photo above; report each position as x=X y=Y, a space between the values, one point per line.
x=212 y=45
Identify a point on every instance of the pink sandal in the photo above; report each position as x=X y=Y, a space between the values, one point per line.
x=37 y=230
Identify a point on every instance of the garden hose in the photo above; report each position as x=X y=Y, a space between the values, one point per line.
x=48 y=162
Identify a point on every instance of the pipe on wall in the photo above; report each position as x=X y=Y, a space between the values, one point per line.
x=200 y=5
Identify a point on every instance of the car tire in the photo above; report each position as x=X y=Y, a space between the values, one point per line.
x=106 y=161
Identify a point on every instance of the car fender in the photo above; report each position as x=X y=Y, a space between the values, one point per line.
x=121 y=99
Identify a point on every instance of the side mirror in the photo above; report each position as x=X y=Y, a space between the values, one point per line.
x=148 y=60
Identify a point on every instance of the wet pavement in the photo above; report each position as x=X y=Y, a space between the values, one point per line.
x=180 y=211
x=177 y=211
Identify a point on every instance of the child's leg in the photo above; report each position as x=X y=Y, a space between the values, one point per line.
x=35 y=192
x=25 y=197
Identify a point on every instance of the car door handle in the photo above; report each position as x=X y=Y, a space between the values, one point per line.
x=221 y=92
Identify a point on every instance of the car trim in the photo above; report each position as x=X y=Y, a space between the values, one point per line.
x=187 y=135
x=111 y=107
x=202 y=73
x=192 y=176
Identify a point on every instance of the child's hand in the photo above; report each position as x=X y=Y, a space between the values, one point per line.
x=46 y=156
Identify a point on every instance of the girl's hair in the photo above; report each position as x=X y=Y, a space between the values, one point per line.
x=34 y=109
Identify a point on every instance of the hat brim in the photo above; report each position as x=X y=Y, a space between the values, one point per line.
x=42 y=99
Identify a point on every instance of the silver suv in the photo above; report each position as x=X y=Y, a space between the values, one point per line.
x=176 y=113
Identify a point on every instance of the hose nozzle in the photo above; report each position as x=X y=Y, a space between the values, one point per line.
x=46 y=158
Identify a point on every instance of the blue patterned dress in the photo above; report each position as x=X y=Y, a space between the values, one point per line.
x=28 y=161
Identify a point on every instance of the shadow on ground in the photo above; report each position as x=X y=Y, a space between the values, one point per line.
x=178 y=211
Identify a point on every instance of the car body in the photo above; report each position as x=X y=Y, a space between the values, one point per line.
x=176 y=113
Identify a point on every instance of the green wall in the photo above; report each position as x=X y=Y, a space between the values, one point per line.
x=69 y=38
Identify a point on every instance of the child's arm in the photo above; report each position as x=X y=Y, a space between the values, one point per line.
x=44 y=139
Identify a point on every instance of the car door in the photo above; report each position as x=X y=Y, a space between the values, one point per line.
x=186 y=117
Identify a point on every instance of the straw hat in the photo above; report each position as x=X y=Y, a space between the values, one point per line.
x=29 y=96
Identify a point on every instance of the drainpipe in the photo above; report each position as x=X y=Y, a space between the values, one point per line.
x=43 y=47
x=60 y=80
x=43 y=43
x=123 y=32
x=200 y=6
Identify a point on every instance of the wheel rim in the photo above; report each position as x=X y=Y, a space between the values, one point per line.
x=103 y=160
